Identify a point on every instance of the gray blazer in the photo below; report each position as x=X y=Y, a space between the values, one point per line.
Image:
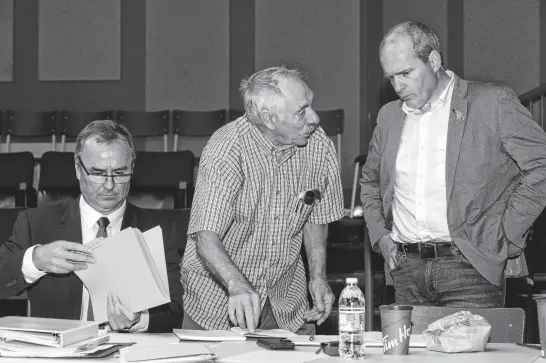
x=495 y=174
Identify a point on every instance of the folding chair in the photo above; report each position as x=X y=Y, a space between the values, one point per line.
x=16 y=183
x=57 y=177
x=331 y=122
x=196 y=123
x=146 y=124
x=14 y=305
x=234 y=114
x=23 y=124
x=507 y=324
x=359 y=161
x=71 y=123
x=162 y=179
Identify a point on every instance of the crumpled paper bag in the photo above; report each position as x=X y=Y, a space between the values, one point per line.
x=459 y=332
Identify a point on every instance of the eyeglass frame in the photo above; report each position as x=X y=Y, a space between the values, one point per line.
x=104 y=176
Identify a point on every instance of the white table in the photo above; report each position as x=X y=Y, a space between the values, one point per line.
x=248 y=351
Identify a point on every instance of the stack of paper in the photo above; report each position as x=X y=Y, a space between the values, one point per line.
x=181 y=352
x=17 y=349
x=44 y=331
x=263 y=333
x=208 y=335
x=131 y=265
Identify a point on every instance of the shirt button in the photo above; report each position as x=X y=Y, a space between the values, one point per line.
x=276 y=217
x=273 y=242
x=419 y=203
x=278 y=192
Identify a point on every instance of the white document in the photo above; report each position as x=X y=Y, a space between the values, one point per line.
x=179 y=352
x=263 y=333
x=208 y=335
x=131 y=265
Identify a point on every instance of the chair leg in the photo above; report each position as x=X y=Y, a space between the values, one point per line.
x=368 y=283
x=353 y=192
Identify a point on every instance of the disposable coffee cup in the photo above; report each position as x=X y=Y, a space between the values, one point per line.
x=396 y=328
x=541 y=314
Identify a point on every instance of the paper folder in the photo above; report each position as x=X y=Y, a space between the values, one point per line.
x=131 y=265
x=46 y=331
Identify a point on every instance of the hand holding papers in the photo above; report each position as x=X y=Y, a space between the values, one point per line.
x=131 y=265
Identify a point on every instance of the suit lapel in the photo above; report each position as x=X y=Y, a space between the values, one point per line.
x=393 y=143
x=129 y=217
x=71 y=230
x=457 y=123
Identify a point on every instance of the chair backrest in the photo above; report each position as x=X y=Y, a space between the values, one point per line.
x=331 y=122
x=507 y=324
x=162 y=179
x=196 y=123
x=16 y=183
x=57 y=177
x=70 y=123
x=30 y=124
x=146 y=124
x=181 y=217
x=234 y=114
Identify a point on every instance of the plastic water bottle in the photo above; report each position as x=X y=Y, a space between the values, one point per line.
x=352 y=308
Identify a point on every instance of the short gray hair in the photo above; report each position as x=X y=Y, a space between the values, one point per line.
x=104 y=132
x=423 y=38
x=261 y=91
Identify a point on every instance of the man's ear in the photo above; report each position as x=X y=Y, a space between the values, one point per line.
x=78 y=172
x=435 y=60
x=269 y=119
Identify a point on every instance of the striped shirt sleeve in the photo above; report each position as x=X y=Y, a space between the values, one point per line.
x=218 y=183
x=330 y=208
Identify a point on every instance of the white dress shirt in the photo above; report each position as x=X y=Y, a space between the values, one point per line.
x=89 y=218
x=420 y=202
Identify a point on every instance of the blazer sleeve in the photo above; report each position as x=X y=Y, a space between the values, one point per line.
x=525 y=141
x=165 y=318
x=12 y=281
x=372 y=204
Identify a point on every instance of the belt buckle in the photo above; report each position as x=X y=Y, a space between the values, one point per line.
x=422 y=249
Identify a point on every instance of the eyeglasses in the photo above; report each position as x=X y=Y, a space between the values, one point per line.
x=101 y=178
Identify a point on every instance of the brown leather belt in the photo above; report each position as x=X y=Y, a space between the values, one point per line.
x=428 y=250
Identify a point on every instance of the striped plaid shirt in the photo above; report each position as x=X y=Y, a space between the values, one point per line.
x=247 y=192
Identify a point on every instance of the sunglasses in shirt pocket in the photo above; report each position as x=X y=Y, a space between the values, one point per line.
x=299 y=214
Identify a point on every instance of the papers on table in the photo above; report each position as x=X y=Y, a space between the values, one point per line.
x=130 y=264
x=263 y=333
x=208 y=335
x=179 y=352
x=18 y=349
x=46 y=331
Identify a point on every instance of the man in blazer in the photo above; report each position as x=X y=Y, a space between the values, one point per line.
x=454 y=178
x=46 y=246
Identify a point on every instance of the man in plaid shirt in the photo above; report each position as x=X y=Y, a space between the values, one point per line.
x=266 y=182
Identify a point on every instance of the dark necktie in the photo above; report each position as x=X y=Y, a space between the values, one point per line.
x=103 y=222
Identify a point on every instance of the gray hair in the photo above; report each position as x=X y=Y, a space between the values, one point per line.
x=423 y=38
x=104 y=132
x=261 y=92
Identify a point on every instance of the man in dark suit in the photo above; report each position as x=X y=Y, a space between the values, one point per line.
x=48 y=243
x=454 y=178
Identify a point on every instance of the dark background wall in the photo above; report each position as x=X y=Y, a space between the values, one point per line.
x=191 y=54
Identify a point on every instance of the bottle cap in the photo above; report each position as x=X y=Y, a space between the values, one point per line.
x=351 y=280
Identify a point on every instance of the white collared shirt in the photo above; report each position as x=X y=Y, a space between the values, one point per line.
x=89 y=218
x=420 y=202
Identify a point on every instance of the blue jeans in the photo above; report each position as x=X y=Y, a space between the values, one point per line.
x=445 y=281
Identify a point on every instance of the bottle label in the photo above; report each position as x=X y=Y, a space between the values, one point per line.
x=351 y=320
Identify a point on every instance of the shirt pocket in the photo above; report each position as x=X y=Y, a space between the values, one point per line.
x=298 y=216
